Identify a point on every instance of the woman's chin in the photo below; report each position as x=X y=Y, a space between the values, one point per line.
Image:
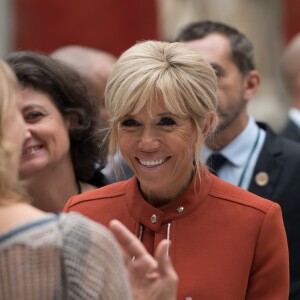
x=29 y=169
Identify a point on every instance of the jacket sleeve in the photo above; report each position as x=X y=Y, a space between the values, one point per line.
x=269 y=277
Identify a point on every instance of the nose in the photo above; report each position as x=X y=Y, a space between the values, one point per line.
x=28 y=133
x=149 y=141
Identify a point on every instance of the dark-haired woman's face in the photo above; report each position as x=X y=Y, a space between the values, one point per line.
x=47 y=139
x=160 y=150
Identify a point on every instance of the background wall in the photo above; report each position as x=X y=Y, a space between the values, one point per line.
x=7 y=26
x=114 y=25
x=111 y=25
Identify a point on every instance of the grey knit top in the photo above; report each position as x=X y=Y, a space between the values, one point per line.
x=63 y=256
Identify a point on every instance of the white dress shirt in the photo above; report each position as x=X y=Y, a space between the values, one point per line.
x=242 y=154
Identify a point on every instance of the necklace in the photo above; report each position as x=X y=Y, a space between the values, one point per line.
x=79 y=190
x=249 y=158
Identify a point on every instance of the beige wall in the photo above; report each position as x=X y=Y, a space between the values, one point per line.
x=6 y=26
x=261 y=21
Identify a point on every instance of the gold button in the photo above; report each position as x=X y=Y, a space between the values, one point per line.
x=262 y=179
x=180 y=209
x=153 y=218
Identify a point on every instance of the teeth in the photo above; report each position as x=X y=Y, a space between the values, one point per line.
x=31 y=150
x=151 y=163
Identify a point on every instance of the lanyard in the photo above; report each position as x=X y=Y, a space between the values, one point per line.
x=249 y=158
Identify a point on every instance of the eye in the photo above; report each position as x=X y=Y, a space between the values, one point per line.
x=130 y=123
x=33 y=116
x=167 y=121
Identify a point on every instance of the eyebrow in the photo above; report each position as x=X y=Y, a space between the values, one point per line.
x=32 y=106
x=158 y=115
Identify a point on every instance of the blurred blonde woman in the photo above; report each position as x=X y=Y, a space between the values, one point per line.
x=49 y=256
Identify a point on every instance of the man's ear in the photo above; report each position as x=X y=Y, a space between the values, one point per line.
x=251 y=83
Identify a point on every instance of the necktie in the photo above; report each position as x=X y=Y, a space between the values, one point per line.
x=214 y=162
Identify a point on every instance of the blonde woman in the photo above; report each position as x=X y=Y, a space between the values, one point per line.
x=226 y=242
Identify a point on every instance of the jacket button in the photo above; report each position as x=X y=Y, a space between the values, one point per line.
x=153 y=218
x=180 y=209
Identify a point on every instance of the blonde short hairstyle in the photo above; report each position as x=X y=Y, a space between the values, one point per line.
x=9 y=97
x=186 y=83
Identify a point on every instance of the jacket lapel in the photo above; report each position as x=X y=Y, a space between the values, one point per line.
x=268 y=167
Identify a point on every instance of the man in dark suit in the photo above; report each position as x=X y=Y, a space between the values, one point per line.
x=290 y=71
x=253 y=157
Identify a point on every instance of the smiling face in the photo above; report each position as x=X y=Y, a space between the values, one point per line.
x=47 y=139
x=159 y=148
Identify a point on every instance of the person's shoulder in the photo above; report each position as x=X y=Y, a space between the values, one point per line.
x=234 y=195
x=279 y=143
x=82 y=231
x=75 y=222
x=110 y=191
x=290 y=146
x=87 y=245
x=289 y=129
x=85 y=237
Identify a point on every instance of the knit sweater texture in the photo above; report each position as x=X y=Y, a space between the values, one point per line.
x=61 y=257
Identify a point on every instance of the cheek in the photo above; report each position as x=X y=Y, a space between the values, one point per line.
x=66 y=138
x=220 y=93
x=187 y=139
x=61 y=141
x=125 y=143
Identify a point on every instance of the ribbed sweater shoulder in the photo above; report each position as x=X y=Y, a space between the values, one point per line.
x=62 y=256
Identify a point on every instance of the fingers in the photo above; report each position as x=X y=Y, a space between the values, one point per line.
x=147 y=274
x=127 y=240
x=165 y=267
x=139 y=262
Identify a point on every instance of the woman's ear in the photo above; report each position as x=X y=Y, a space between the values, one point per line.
x=208 y=124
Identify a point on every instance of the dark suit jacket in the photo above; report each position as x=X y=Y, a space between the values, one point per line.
x=291 y=131
x=280 y=160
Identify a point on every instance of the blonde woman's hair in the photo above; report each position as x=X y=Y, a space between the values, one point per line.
x=9 y=97
x=184 y=81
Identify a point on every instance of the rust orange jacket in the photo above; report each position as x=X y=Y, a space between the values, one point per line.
x=226 y=242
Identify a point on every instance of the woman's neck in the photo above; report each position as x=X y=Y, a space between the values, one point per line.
x=160 y=198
